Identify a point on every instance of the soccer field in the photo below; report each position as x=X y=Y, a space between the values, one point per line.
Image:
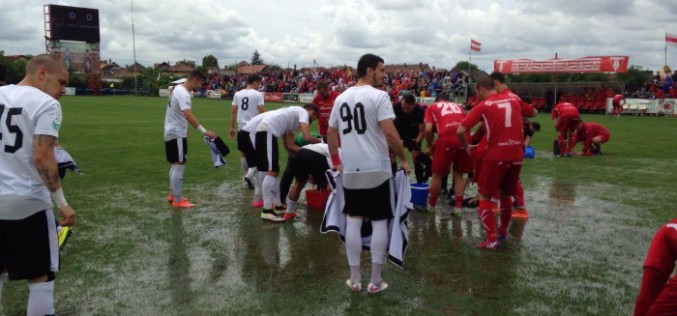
x=580 y=253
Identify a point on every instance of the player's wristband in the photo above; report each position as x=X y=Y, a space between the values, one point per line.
x=201 y=129
x=335 y=159
x=58 y=198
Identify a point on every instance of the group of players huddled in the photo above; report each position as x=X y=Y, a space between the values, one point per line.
x=491 y=154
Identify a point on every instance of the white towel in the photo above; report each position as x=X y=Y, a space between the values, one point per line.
x=335 y=220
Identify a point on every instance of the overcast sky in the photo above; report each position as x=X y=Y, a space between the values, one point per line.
x=338 y=32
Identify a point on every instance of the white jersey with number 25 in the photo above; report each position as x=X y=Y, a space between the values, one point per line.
x=24 y=112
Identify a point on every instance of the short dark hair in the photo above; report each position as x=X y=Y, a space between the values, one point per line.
x=196 y=74
x=311 y=106
x=322 y=85
x=253 y=78
x=367 y=61
x=409 y=98
x=536 y=126
x=497 y=76
x=443 y=96
x=50 y=62
x=485 y=82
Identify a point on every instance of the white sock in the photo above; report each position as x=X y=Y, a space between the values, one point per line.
x=251 y=172
x=354 y=246
x=40 y=299
x=379 y=245
x=277 y=200
x=269 y=190
x=176 y=181
x=243 y=163
x=260 y=176
x=291 y=206
x=3 y=278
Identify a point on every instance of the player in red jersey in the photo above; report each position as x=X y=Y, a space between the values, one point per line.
x=617 y=103
x=502 y=163
x=324 y=100
x=592 y=135
x=658 y=294
x=566 y=118
x=446 y=117
x=527 y=111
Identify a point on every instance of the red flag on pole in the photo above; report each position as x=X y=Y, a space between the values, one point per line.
x=475 y=45
x=671 y=38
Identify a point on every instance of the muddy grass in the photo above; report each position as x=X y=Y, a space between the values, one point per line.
x=575 y=255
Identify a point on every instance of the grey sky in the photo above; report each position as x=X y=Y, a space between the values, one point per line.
x=338 y=32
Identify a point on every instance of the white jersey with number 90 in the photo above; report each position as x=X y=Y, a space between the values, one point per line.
x=364 y=149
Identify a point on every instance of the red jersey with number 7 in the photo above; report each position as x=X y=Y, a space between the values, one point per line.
x=502 y=118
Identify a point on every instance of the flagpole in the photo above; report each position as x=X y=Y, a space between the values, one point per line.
x=469 y=61
x=136 y=90
x=666 y=49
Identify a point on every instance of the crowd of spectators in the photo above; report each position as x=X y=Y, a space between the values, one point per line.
x=414 y=80
x=419 y=82
x=662 y=85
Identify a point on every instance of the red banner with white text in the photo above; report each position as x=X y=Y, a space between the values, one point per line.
x=593 y=64
x=272 y=97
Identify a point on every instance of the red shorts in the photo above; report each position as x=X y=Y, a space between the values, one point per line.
x=565 y=124
x=477 y=156
x=445 y=155
x=497 y=175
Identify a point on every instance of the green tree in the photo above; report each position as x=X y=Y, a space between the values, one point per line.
x=187 y=62
x=256 y=58
x=210 y=61
x=463 y=65
x=635 y=78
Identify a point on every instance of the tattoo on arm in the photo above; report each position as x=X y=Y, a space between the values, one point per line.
x=47 y=168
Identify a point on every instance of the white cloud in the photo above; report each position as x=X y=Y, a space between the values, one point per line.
x=435 y=32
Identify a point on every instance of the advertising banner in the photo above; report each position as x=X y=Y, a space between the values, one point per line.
x=593 y=64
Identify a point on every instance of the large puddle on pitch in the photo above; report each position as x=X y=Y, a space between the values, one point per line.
x=577 y=253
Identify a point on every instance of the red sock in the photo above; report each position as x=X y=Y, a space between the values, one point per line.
x=432 y=200
x=519 y=195
x=506 y=213
x=458 y=201
x=572 y=142
x=561 y=143
x=488 y=219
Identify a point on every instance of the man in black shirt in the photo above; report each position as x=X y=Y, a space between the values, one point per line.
x=409 y=124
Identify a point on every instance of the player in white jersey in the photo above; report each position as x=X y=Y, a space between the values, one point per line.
x=247 y=104
x=310 y=160
x=30 y=118
x=279 y=123
x=246 y=138
x=177 y=117
x=362 y=118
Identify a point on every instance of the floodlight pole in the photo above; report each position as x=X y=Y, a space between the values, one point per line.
x=136 y=89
